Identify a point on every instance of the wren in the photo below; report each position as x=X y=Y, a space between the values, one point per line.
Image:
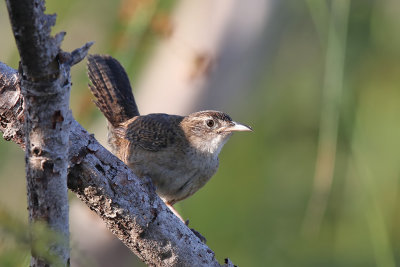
x=178 y=153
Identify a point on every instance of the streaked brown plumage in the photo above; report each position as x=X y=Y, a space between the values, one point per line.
x=179 y=153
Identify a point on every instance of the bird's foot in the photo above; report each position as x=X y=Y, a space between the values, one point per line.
x=200 y=236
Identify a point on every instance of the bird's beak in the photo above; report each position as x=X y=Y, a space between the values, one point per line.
x=237 y=127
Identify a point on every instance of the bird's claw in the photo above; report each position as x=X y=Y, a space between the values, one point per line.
x=200 y=236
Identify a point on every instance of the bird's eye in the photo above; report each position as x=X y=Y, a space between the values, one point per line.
x=210 y=123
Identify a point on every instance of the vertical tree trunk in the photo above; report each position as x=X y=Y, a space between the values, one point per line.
x=47 y=135
x=45 y=83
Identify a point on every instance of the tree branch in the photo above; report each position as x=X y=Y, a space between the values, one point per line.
x=129 y=206
x=45 y=83
x=45 y=88
x=32 y=32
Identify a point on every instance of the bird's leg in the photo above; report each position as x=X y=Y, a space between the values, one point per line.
x=174 y=211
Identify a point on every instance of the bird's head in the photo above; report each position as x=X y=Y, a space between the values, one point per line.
x=209 y=130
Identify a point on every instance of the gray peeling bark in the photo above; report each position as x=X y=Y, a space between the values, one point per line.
x=129 y=206
x=45 y=83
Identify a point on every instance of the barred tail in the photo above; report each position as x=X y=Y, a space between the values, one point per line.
x=111 y=88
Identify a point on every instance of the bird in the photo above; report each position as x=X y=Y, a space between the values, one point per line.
x=178 y=153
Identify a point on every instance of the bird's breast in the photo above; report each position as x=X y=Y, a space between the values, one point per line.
x=176 y=173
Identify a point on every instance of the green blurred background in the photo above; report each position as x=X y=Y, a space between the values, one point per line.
x=316 y=183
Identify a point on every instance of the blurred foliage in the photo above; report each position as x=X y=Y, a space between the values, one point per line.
x=338 y=57
x=14 y=242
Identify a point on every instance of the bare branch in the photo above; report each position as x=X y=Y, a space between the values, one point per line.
x=75 y=56
x=129 y=206
x=11 y=112
x=32 y=32
x=45 y=85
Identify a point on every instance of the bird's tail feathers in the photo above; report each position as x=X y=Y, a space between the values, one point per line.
x=111 y=89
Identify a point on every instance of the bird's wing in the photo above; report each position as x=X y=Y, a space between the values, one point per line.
x=152 y=132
